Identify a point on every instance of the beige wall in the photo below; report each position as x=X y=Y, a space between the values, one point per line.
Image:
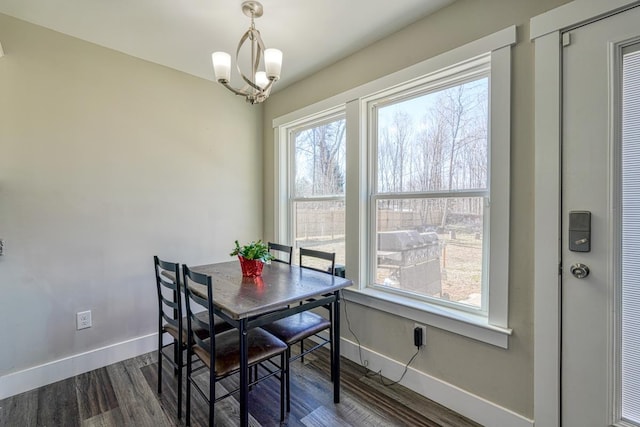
x=504 y=377
x=106 y=160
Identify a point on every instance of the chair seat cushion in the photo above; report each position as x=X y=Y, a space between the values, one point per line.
x=219 y=324
x=262 y=346
x=297 y=327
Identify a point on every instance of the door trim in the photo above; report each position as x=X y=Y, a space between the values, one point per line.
x=546 y=30
x=576 y=13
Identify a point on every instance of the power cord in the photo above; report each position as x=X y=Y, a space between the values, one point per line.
x=406 y=368
x=368 y=373
x=364 y=363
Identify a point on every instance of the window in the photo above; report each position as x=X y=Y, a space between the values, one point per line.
x=429 y=148
x=318 y=186
x=406 y=178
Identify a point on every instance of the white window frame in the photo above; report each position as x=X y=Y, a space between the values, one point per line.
x=477 y=68
x=491 y=328
x=291 y=129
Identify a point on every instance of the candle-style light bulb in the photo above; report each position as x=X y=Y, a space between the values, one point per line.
x=221 y=66
x=273 y=63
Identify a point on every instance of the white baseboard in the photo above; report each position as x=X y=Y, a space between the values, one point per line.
x=471 y=406
x=57 y=370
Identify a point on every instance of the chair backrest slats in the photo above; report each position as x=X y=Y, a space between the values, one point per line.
x=169 y=306
x=312 y=253
x=190 y=277
x=169 y=303
x=284 y=249
x=171 y=320
x=171 y=285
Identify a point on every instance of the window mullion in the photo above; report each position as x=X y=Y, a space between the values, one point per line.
x=432 y=194
x=317 y=199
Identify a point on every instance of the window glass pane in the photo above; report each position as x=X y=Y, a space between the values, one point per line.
x=434 y=142
x=432 y=247
x=630 y=238
x=320 y=160
x=320 y=226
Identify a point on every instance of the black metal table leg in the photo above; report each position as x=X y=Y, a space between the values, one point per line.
x=335 y=368
x=244 y=373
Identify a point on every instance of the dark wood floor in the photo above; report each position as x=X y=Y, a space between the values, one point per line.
x=124 y=394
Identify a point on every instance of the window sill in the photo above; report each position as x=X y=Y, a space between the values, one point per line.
x=461 y=323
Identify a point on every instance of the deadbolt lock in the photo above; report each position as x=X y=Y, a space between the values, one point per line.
x=579 y=271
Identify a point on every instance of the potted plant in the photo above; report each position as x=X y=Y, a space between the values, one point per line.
x=252 y=257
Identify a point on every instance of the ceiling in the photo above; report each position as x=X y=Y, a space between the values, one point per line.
x=181 y=34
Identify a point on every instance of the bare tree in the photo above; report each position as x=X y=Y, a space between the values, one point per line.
x=458 y=111
x=395 y=140
x=446 y=150
x=320 y=159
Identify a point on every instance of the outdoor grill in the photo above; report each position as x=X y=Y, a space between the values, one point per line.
x=413 y=258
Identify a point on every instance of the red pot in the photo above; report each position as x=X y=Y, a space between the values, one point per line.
x=250 y=267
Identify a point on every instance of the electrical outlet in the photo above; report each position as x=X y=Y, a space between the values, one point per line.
x=419 y=335
x=83 y=320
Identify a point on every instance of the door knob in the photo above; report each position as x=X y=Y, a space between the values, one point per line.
x=579 y=271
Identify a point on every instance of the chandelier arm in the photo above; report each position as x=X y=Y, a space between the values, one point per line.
x=252 y=97
x=267 y=88
x=254 y=55
x=257 y=39
x=250 y=34
x=240 y=92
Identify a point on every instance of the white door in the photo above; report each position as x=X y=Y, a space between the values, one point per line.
x=600 y=337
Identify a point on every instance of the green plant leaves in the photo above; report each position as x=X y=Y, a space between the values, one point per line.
x=254 y=250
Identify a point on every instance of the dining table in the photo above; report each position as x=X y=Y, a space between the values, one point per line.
x=282 y=290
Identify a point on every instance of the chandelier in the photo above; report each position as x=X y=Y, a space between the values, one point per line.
x=258 y=82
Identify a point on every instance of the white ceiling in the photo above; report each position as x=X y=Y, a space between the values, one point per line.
x=181 y=34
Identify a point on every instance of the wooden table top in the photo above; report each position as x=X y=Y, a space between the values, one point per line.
x=280 y=284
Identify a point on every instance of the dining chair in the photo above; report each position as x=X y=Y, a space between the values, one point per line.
x=171 y=321
x=220 y=352
x=281 y=249
x=295 y=329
